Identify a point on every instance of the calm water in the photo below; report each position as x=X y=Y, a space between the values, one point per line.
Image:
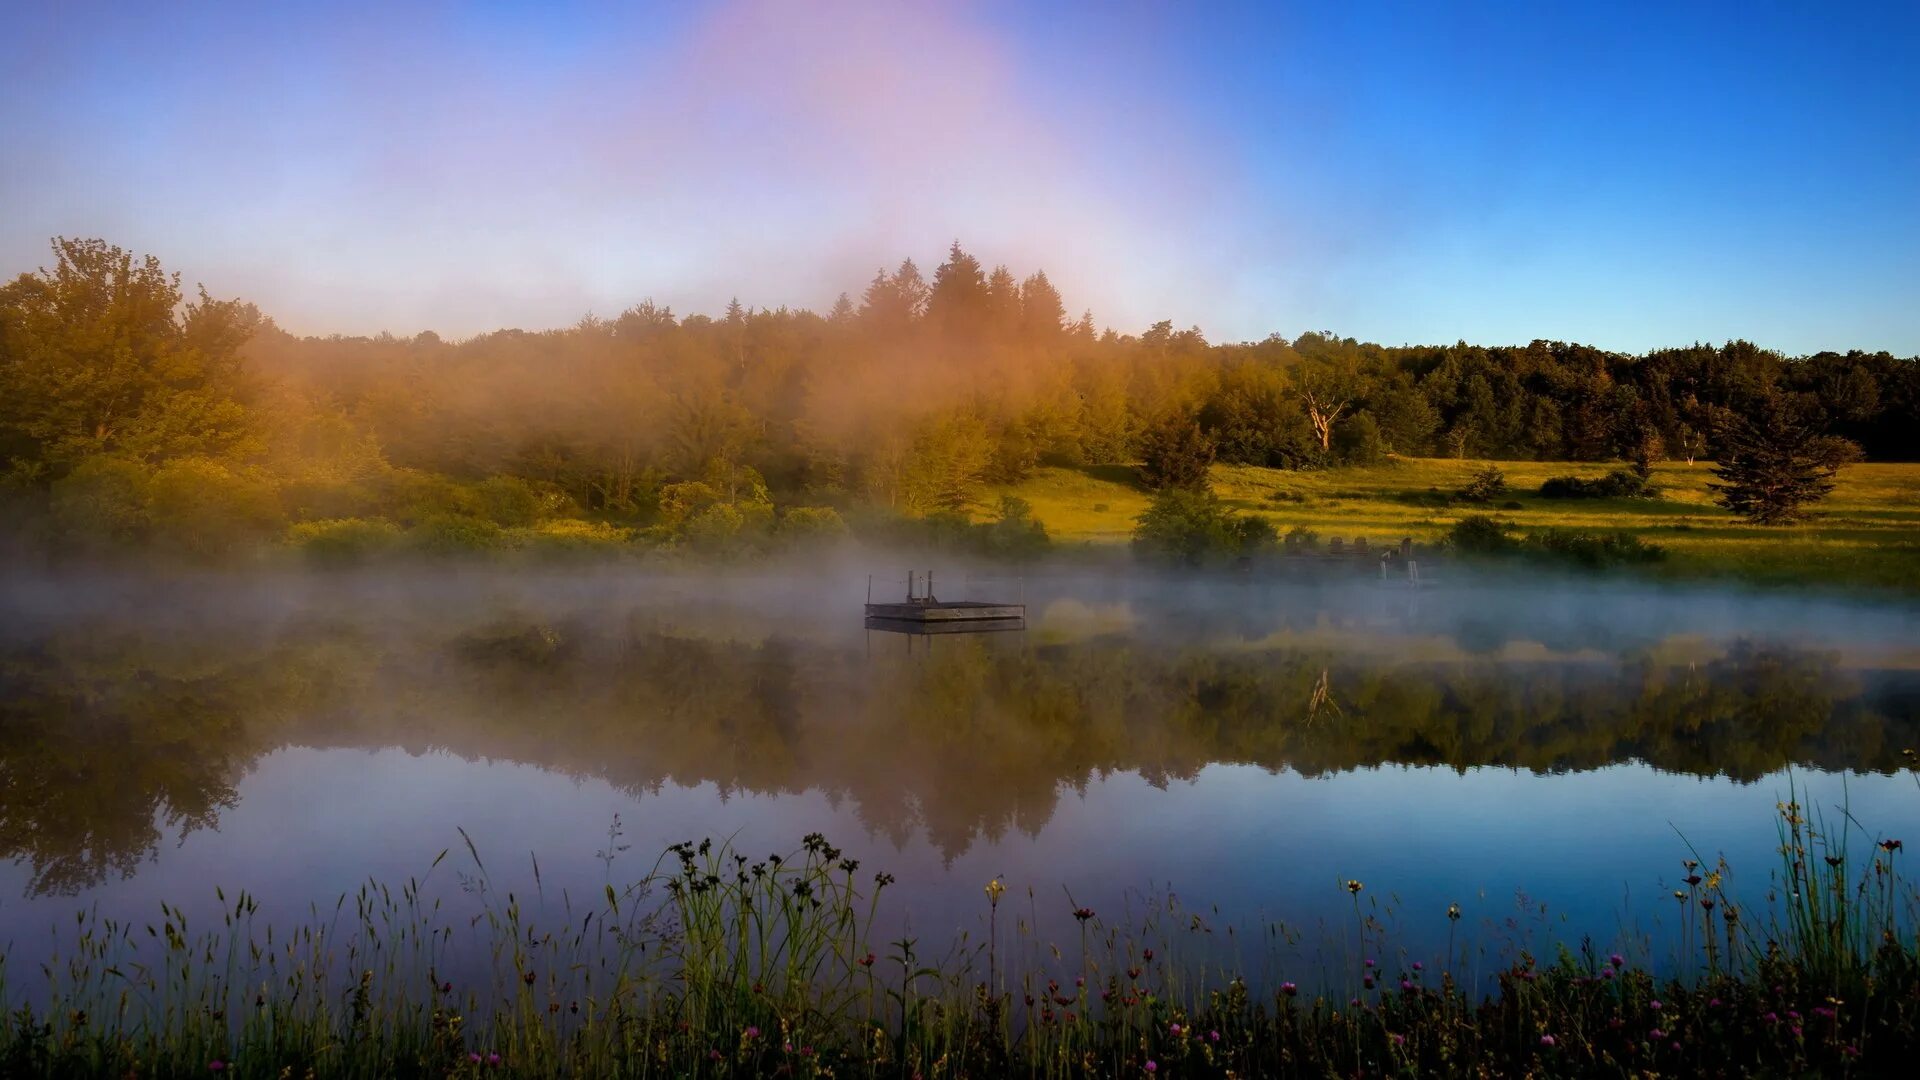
x=1247 y=748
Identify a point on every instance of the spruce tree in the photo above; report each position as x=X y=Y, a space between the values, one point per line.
x=1776 y=460
x=1175 y=453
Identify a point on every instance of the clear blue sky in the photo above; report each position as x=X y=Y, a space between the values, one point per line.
x=1621 y=175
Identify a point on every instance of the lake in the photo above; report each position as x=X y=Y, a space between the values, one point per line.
x=1542 y=753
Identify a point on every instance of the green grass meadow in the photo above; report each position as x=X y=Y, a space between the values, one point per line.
x=1866 y=534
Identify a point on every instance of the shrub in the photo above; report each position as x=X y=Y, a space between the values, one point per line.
x=1618 y=484
x=1478 y=534
x=343 y=541
x=1487 y=485
x=1192 y=528
x=715 y=530
x=1358 y=441
x=1303 y=538
x=1175 y=454
x=1016 y=533
x=1595 y=550
x=199 y=507
x=811 y=525
x=570 y=538
x=506 y=500
x=449 y=534
x=412 y=497
x=102 y=501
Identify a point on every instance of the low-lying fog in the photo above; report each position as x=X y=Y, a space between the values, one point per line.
x=1249 y=744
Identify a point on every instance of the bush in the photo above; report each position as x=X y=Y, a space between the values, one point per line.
x=1016 y=533
x=1358 y=441
x=570 y=538
x=448 y=534
x=506 y=500
x=808 y=525
x=1192 y=528
x=343 y=541
x=1487 y=485
x=1618 y=484
x=1481 y=535
x=201 y=508
x=1595 y=550
x=1478 y=534
x=714 y=530
x=1175 y=454
x=102 y=501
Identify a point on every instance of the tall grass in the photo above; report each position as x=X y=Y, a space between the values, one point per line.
x=721 y=963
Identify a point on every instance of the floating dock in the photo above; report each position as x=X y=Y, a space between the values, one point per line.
x=945 y=611
x=923 y=609
x=951 y=626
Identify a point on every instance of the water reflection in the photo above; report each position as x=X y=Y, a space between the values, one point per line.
x=114 y=736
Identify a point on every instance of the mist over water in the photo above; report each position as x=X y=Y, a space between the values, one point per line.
x=1245 y=745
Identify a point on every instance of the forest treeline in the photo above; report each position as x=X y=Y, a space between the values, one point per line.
x=132 y=413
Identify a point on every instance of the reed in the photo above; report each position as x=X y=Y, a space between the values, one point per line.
x=720 y=963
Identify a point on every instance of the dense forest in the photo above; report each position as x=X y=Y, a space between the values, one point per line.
x=133 y=414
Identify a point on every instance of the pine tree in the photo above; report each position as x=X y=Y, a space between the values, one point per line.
x=1041 y=312
x=1175 y=453
x=957 y=302
x=1777 y=460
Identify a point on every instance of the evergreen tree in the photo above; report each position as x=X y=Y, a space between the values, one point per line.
x=957 y=302
x=1175 y=453
x=1042 y=314
x=1777 y=460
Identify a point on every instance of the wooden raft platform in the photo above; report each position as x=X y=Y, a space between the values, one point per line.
x=954 y=626
x=945 y=611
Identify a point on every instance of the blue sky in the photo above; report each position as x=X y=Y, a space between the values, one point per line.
x=1621 y=175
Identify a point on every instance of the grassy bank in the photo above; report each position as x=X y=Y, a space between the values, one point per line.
x=720 y=963
x=1867 y=534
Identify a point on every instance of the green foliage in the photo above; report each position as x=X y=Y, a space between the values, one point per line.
x=811 y=525
x=102 y=500
x=1016 y=533
x=1358 y=441
x=344 y=541
x=1487 y=485
x=714 y=530
x=916 y=401
x=569 y=538
x=1194 y=528
x=99 y=356
x=1772 y=467
x=1594 y=550
x=507 y=501
x=201 y=508
x=1478 y=534
x=1175 y=454
x=447 y=534
x=947 y=465
x=1618 y=484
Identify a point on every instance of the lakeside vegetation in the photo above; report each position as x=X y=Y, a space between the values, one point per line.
x=1867 y=533
x=135 y=420
x=726 y=963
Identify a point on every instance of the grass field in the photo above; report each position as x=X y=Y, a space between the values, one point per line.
x=1867 y=533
